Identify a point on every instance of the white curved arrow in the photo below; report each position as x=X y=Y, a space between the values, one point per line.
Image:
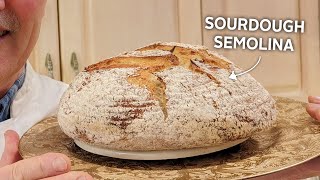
x=233 y=75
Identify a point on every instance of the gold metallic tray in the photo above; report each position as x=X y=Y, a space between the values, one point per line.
x=292 y=141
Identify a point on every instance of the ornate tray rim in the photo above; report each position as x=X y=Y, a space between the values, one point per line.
x=313 y=154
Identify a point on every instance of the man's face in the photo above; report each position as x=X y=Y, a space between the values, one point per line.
x=20 y=22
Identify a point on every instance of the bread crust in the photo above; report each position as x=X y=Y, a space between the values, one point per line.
x=164 y=96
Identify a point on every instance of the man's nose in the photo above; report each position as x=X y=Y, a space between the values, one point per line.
x=2 y=5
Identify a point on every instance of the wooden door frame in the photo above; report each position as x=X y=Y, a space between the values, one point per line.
x=190 y=21
x=310 y=48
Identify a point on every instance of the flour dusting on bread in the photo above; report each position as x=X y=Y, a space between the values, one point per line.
x=164 y=96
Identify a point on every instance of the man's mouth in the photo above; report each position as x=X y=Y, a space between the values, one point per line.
x=4 y=33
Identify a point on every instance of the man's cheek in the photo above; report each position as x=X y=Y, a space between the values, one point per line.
x=27 y=9
x=26 y=4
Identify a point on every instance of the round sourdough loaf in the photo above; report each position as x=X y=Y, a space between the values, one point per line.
x=164 y=96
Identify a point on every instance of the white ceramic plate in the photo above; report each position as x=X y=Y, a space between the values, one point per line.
x=156 y=155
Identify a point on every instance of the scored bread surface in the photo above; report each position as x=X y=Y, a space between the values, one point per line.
x=164 y=96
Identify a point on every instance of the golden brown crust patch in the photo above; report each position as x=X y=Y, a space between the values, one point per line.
x=134 y=62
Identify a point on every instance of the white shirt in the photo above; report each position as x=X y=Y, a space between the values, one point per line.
x=37 y=99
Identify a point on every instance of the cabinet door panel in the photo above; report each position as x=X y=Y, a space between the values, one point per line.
x=98 y=29
x=48 y=44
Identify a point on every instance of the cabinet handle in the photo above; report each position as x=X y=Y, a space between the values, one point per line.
x=74 y=63
x=49 y=65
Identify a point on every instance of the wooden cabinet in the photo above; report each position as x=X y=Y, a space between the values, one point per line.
x=97 y=29
x=92 y=30
x=282 y=73
x=45 y=57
